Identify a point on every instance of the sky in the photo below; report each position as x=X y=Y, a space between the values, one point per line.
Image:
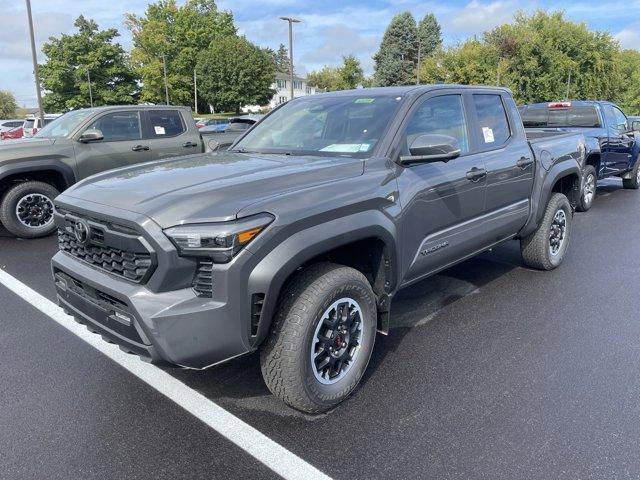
x=329 y=28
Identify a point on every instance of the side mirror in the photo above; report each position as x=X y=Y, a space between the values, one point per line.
x=431 y=148
x=91 y=135
x=635 y=126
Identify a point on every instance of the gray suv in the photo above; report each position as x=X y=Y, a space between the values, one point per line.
x=295 y=241
x=79 y=144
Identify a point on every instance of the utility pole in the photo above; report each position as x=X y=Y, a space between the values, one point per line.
x=166 y=83
x=418 y=70
x=35 y=62
x=291 y=21
x=195 y=92
x=90 y=92
x=568 y=84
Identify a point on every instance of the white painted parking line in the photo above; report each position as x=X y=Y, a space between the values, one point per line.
x=262 y=448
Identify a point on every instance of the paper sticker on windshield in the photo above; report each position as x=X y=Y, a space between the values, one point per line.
x=364 y=147
x=365 y=100
x=344 y=147
x=159 y=130
x=488 y=135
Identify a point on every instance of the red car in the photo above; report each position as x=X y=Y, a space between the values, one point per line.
x=13 y=133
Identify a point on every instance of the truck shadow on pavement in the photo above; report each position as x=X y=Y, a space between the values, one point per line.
x=238 y=384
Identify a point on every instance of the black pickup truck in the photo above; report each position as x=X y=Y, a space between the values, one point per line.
x=295 y=241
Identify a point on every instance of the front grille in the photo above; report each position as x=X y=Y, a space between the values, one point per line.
x=133 y=266
x=203 y=281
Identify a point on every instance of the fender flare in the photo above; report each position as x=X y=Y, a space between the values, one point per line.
x=270 y=273
x=538 y=205
x=34 y=166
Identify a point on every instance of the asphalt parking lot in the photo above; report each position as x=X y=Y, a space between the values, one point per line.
x=491 y=371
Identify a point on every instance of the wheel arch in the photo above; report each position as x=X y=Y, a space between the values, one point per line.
x=55 y=173
x=364 y=241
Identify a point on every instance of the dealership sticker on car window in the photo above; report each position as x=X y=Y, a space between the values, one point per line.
x=344 y=147
x=159 y=130
x=488 y=135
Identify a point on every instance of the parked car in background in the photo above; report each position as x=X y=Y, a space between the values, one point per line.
x=296 y=240
x=612 y=146
x=14 y=133
x=79 y=144
x=32 y=124
x=220 y=122
x=222 y=135
x=10 y=125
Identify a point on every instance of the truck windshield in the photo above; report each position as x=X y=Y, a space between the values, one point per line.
x=341 y=125
x=545 y=117
x=62 y=126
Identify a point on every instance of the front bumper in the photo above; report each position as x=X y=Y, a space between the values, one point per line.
x=177 y=327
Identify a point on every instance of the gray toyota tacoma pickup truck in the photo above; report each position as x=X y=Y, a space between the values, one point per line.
x=295 y=241
x=34 y=171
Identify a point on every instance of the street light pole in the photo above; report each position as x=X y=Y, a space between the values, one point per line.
x=291 y=21
x=195 y=92
x=35 y=62
x=418 y=69
x=166 y=83
x=90 y=92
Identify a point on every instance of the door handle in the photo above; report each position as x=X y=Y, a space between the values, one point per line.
x=189 y=144
x=524 y=162
x=476 y=174
x=140 y=148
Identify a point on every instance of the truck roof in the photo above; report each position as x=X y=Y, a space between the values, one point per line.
x=573 y=103
x=413 y=89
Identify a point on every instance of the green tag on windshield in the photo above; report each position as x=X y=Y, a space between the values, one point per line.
x=365 y=100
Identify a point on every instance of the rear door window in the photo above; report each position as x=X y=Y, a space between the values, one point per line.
x=492 y=120
x=165 y=123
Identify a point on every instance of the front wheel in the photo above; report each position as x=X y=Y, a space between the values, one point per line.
x=27 y=209
x=633 y=183
x=322 y=338
x=546 y=247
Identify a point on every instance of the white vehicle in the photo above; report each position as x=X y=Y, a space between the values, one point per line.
x=33 y=123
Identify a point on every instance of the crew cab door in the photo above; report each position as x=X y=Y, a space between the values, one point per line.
x=618 y=147
x=169 y=135
x=442 y=202
x=505 y=151
x=122 y=145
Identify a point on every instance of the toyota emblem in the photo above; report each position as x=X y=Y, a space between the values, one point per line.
x=81 y=231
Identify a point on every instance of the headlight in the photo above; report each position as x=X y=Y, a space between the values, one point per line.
x=219 y=241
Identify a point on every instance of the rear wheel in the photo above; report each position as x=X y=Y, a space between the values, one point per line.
x=27 y=209
x=546 y=247
x=589 y=183
x=322 y=338
x=633 y=182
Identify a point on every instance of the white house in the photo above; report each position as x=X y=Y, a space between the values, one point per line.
x=282 y=86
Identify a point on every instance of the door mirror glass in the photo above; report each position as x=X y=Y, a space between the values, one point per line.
x=91 y=135
x=635 y=126
x=431 y=148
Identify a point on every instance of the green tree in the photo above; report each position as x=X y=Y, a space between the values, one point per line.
x=179 y=33
x=8 y=105
x=534 y=57
x=429 y=35
x=348 y=75
x=283 y=62
x=93 y=51
x=233 y=72
x=629 y=100
x=396 y=59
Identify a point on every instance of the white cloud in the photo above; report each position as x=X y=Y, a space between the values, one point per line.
x=477 y=17
x=629 y=38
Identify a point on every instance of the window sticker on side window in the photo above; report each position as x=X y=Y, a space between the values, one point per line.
x=158 y=129
x=488 y=135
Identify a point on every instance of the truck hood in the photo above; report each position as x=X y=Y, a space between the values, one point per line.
x=17 y=148
x=208 y=187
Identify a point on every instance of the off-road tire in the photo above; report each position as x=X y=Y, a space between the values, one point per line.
x=535 y=247
x=8 y=216
x=285 y=357
x=584 y=205
x=633 y=183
